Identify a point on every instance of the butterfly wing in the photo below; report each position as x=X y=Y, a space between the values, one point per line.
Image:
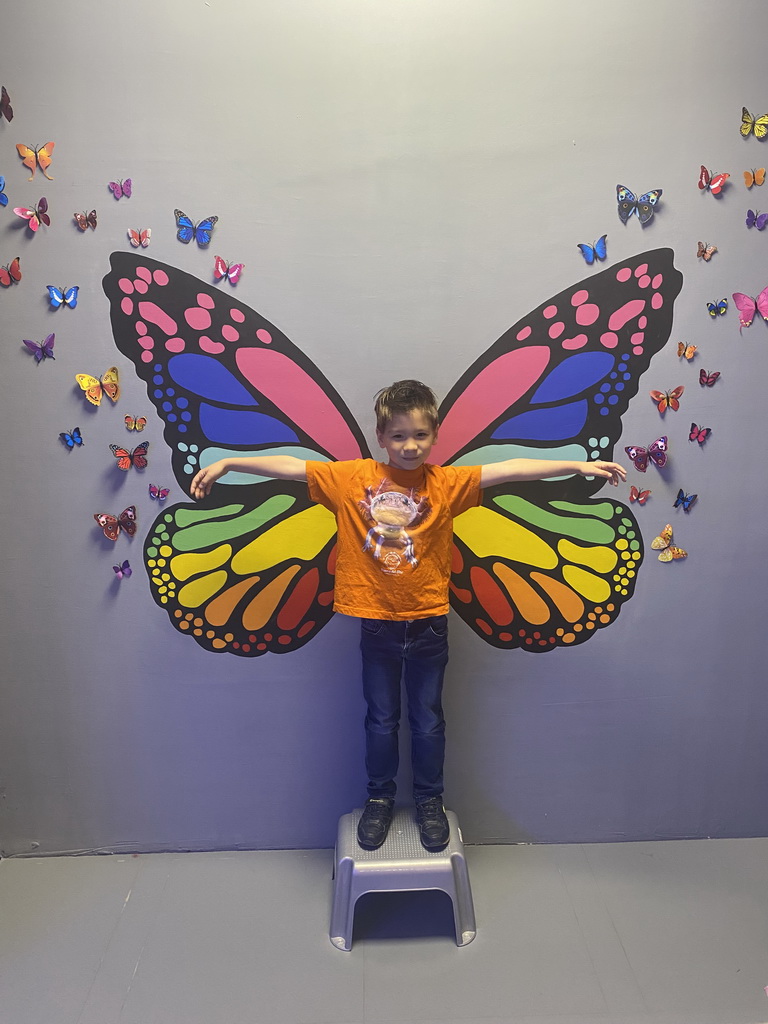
x=759 y=175
x=746 y=306
x=110 y=383
x=220 y=267
x=657 y=452
x=6 y=110
x=762 y=303
x=703 y=178
x=761 y=220
x=717 y=182
x=539 y=565
x=127 y=188
x=627 y=203
x=109 y=524
x=3 y=196
x=127 y=520
x=186 y=229
x=674 y=396
x=661 y=398
x=587 y=251
x=204 y=230
x=646 y=204
x=91 y=386
x=55 y=296
x=47 y=346
x=81 y=219
x=250 y=569
x=139 y=455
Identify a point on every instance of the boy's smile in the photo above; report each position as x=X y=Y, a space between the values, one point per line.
x=408 y=438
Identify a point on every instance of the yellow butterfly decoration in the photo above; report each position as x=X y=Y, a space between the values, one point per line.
x=95 y=388
x=33 y=157
x=689 y=351
x=667 y=550
x=754 y=177
x=758 y=125
x=135 y=422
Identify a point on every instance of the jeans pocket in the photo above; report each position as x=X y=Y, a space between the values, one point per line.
x=439 y=625
x=372 y=626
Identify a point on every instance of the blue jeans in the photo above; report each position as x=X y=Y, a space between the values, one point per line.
x=416 y=651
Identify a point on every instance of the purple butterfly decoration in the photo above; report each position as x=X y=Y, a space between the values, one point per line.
x=756 y=219
x=41 y=351
x=655 y=453
x=120 y=188
x=123 y=570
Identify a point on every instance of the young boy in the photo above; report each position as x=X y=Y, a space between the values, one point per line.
x=395 y=526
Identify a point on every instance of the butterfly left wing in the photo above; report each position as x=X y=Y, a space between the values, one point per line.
x=539 y=565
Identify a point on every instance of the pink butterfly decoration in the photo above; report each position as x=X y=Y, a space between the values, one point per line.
x=158 y=493
x=34 y=217
x=231 y=271
x=747 y=306
x=120 y=188
x=139 y=237
x=655 y=453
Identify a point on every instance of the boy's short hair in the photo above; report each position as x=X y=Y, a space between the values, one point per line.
x=405 y=396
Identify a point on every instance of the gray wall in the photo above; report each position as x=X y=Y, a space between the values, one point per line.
x=404 y=180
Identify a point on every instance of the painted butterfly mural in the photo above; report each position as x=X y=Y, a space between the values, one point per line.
x=250 y=568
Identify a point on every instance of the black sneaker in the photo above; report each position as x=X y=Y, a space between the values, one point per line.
x=374 y=823
x=433 y=824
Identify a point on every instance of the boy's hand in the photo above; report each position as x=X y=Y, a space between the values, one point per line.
x=608 y=470
x=204 y=480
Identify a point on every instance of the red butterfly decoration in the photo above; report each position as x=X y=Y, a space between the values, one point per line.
x=139 y=237
x=671 y=399
x=10 y=272
x=713 y=182
x=86 y=220
x=6 y=110
x=112 y=525
x=698 y=433
x=655 y=452
x=136 y=457
x=34 y=217
x=707 y=380
x=639 y=496
x=231 y=271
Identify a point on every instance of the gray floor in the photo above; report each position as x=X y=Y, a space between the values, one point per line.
x=668 y=932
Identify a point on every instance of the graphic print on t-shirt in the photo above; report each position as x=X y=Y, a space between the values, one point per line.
x=391 y=512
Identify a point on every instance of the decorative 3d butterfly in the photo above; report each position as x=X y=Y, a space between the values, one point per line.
x=135 y=422
x=158 y=493
x=95 y=388
x=34 y=217
x=629 y=204
x=41 y=351
x=663 y=544
x=708 y=380
x=59 y=297
x=123 y=570
x=668 y=399
x=6 y=110
x=136 y=458
x=121 y=188
x=718 y=308
x=10 y=272
x=596 y=251
x=747 y=306
x=756 y=219
x=698 y=433
x=754 y=177
x=188 y=230
x=32 y=156
x=706 y=251
x=758 y=125
x=685 y=500
x=86 y=220
x=538 y=565
x=639 y=496
x=139 y=237
x=687 y=351
x=713 y=182
x=655 y=453
x=72 y=439
x=112 y=525
x=3 y=196
x=231 y=271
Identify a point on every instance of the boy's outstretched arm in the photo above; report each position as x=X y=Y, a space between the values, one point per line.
x=280 y=467
x=539 y=469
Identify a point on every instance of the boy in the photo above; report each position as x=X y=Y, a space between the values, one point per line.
x=395 y=525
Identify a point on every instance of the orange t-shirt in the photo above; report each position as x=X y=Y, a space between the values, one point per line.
x=395 y=528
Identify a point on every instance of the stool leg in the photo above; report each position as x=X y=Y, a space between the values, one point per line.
x=463 y=907
x=343 y=911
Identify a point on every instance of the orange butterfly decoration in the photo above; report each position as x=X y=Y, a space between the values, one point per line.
x=754 y=177
x=689 y=351
x=667 y=550
x=665 y=399
x=705 y=251
x=31 y=157
x=95 y=388
x=135 y=422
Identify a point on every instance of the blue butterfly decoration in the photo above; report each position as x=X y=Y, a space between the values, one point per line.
x=188 y=229
x=684 y=500
x=3 y=196
x=629 y=204
x=718 y=308
x=59 y=297
x=72 y=439
x=597 y=251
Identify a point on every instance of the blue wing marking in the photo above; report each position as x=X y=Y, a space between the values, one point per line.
x=207 y=378
x=557 y=424
x=235 y=426
x=574 y=375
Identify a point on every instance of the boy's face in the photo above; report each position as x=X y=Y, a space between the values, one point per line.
x=408 y=439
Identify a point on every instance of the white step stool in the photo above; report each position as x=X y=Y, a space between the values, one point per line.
x=401 y=864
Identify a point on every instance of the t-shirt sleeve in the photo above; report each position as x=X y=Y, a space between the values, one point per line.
x=463 y=487
x=324 y=482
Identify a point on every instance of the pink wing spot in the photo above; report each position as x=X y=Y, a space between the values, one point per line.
x=637 y=339
x=142 y=287
x=144 y=273
x=642 y=269
x=152 y=312
x=637 y=351
x=264 y=336
x=229 y=333
x=657 y=301
x=199 y=319
x=642 y=323
x=147 y=343
x=209 y=345
x=556 y=329
x=126 y=305
x=160 y=277
x=578 y=297
x=141 y=327
x=624 y=274
x=609 y=340
x=175 y=344
x=549 y=312
x=237 y=315
x=657 y=280
x=586 y=315
x=626 y=312
x=300 y=397
x=490 y=394
x=644 y=281
x=205 y=300
x=525 y=333
x=573 y=343
x=147 y=357
x=125 y=285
